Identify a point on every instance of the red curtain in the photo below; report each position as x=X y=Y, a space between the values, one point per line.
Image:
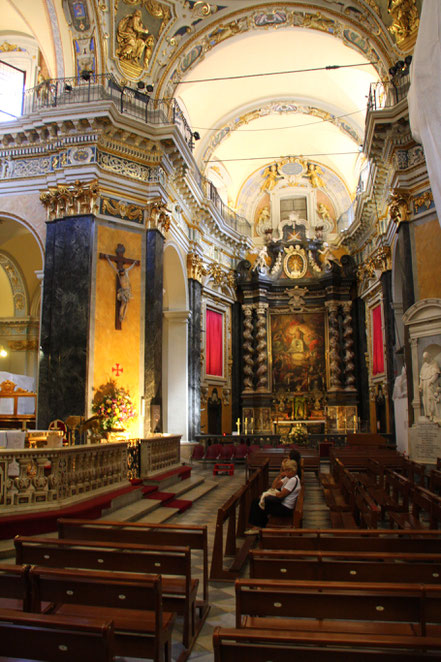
x=377 y=342
x=214 y=343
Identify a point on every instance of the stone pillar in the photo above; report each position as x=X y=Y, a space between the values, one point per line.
x=349 y=355
x=65 y=317
x=175 y=392
x=261 y=348
x=334 y=347
x=194 y=358
x=153 y=325
x=248 y=351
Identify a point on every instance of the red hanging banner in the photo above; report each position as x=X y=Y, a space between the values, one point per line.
x=377 y=342
x=214 y=343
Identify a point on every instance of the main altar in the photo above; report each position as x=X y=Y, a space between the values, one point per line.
x=298 y=349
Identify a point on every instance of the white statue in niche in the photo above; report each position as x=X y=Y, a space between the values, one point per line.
x=400 y=386
x=428 y=386
x=263 y=222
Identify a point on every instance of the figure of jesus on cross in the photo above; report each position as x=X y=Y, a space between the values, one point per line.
x=123 y=286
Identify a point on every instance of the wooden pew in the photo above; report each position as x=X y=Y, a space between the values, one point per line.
x=366 y=440
x=237 y=506
x=310 y=459
x=133 y=602
x=297 y=514
x=246 y=645
x=171 y=535
x=14 y=587
x=345 y=566
x=55 y=638
x=373 y=540
x=435 y=481
x=358 y=608
x=424 y=503
x=179 y=589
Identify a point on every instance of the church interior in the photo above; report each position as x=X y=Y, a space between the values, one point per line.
x=219 y=241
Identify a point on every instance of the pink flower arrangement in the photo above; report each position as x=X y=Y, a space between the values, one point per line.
x=113 y=405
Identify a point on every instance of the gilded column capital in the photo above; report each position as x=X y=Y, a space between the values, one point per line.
x=158 y=216
x=75 y=199
x=195 y=268
x=399 y=205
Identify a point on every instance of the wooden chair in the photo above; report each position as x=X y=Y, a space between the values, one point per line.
x=10 y=391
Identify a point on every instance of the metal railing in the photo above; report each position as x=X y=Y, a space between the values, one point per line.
x=58 y=92
x=385 y=95
x=232 y=219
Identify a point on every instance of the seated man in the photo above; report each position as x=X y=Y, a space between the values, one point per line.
x=281 y=503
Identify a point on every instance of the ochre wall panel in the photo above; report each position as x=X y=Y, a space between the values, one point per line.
x=428 y=262
x=122 y=346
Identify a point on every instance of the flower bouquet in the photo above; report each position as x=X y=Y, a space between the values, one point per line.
x=298 y=435
x=113 y=405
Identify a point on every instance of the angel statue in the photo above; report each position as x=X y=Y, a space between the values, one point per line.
x=271 y=175
x=314 y=173
x=261 y=263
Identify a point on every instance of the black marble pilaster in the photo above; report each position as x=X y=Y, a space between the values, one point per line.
x=405 y=247
x=236 y=376
x=194 y=359
x=361 y=370
x=153 y=325
x=65 y=319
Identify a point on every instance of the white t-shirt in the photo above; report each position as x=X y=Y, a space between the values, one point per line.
x=293 y=485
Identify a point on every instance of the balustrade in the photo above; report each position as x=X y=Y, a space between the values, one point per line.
x=50 y=476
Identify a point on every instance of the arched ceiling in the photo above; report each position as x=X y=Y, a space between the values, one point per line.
x=316 y=114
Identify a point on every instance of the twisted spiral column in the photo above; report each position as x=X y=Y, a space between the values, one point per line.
x=348 y=347
x=247 y=346
x=261 y=348
x=334 y=357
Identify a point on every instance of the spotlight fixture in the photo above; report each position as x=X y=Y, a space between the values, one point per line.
x=408 y=60
x=196 y=135
x=68 y=87
x=140 y=85
x=393 y=70
x=85 y=75
x=149 y=88
x=3 y=352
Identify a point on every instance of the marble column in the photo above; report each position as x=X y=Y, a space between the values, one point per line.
x=349 y=355
x=65 y=316
x=194 y=358
x=153 y=325
x=261 y=348
x=248 y=351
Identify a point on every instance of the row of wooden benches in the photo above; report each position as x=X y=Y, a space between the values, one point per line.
x=328 y=595
x=128 y=556
x=366 y=497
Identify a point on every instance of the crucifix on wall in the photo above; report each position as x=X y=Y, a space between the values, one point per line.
x=121 y=266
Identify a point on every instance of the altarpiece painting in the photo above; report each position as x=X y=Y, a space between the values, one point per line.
x=297 y=344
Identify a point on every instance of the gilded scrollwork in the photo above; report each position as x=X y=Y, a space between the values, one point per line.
x=121 y=209
x=423 y=200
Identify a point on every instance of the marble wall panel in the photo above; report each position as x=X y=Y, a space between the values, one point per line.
x=194 y=359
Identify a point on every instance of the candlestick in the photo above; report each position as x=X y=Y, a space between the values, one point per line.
x=238 y=425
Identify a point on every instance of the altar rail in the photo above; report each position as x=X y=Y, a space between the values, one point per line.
x=53 y=476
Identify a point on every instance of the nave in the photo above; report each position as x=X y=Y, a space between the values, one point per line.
x=316 y=515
